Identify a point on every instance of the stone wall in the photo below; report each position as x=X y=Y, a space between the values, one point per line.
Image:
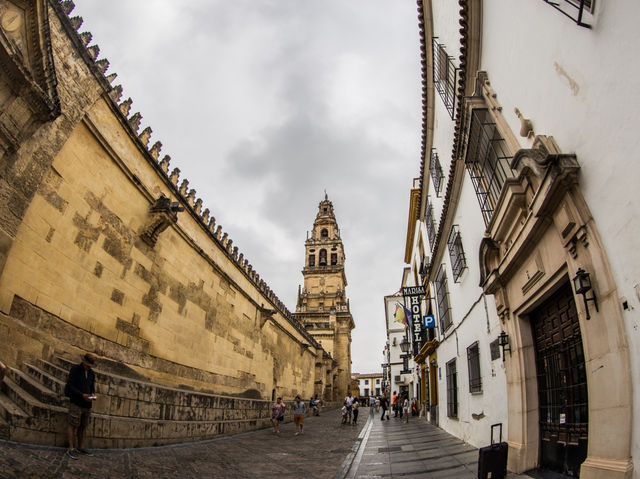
x=98 y=256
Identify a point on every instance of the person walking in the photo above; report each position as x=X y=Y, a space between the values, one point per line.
x=81 y=388
x=405 y=409
x=299 y=410
x=394 y=403
x=349 y=400
x=356 y=406
x=277 y=415
x=384 y=404
x=345 y=413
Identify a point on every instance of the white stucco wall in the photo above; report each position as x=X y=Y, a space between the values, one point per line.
x=582 y=87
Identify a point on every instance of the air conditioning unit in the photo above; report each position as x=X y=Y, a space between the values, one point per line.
x=397 y=379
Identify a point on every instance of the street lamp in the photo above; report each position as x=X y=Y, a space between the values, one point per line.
x=503 y=342
x=404 y=345
x=582 y=285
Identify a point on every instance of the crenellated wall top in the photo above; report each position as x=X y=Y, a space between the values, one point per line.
x=187 y=197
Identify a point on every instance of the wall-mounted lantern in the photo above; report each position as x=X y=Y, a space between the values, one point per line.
x=582 y=285
x=404 y=345
x=503 y=342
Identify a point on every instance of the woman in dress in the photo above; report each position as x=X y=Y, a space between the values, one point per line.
x=277 y=415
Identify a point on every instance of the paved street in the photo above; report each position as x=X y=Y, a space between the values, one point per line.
x=327 y=450
x=392 y=449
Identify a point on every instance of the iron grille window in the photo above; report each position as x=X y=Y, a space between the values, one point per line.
x=452 y=389
x=430 y=224
x=436 y=172
x=473 y=361
x=442 y=297
x=445 y=76
x=574 y=9
x=456 y=253
x=487 y=161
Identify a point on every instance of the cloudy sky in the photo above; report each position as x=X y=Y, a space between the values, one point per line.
x=264 y=105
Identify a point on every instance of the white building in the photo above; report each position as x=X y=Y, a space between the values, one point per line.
x=369 y=384
x=528 y=180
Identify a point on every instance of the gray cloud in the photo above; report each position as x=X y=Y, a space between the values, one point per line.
x=263 y=104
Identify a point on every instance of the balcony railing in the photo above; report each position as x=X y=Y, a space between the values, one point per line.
x=574 y=9
x=487 y=161
x=445 y=76
x=436 y=172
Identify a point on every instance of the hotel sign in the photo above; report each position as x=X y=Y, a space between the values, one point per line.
x=413 y=291
x=415 y=294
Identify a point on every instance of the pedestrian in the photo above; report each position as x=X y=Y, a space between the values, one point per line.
x=299 y=410
x=81 y=388
x=377 y=404
x=394 y=404
x=345 y=412
x=277 y=415
x=349 y=400
x=356 y=406
x=405 y=409
x=384 y=404
x=414 y=408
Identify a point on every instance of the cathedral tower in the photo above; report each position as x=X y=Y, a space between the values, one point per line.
x=323 y=307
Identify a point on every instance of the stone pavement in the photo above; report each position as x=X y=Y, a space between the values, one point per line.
x=257 y=454
x=372 y=449
x=392 y=449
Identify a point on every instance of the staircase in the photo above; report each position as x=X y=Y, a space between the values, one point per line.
x=129 y=411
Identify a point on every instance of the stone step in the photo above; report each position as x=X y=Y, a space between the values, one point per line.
x=10 y=410
x=46 y=379
x=36 y=410
x=4 y=429
x=125 y=396
x=37 y=389
x=53 y=370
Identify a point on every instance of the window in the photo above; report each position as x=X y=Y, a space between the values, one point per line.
x=377 y=381
x=324 y=233
x=456 y=253
x=312 y=260
x=323 y=257
x=334 y=259
x=442 y=297
x=366 y=381
x=452 y=389
x=366 y=391
x=473 y=361
x=430 y=224
x=487 y=161
x=436 y=172
x=445 y=76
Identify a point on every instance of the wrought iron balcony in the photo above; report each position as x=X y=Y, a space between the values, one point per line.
x=574 y=9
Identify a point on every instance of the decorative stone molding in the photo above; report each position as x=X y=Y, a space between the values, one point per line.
x=161 y=217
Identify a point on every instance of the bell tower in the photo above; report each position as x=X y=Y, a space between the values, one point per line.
x=323 y=307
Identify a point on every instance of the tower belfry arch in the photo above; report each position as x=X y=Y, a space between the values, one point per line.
x=322 y=306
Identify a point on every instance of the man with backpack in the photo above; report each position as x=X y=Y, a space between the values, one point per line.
x=80 y=389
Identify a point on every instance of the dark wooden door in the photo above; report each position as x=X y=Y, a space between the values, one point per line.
x=562 y=384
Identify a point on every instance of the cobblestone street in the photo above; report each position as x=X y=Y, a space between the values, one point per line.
x=318 y=453
x=327 y=449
